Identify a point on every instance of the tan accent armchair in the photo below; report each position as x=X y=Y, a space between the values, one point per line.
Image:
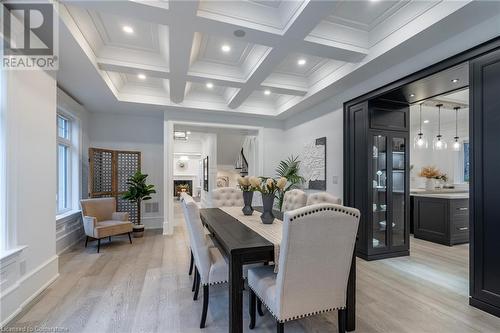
x=100 y=220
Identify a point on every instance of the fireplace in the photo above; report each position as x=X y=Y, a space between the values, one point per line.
x=183 y=186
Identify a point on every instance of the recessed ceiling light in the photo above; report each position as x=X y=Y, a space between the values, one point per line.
x=141 y=76
x=188 y=132
x=267 y=92
x=455 y=80
x=426 y=121
x=226 y=48
x=128 y=29
x=301 y=62
x=412 y=95
x=209 y=85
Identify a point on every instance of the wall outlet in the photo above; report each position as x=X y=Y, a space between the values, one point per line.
x=335 y=179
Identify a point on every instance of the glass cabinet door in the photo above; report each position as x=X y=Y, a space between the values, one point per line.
x=399 y=158
x=379 y=195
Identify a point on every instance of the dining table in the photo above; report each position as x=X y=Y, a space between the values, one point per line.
x=241 y=246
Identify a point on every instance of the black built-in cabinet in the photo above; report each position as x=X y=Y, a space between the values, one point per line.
x=379 y=159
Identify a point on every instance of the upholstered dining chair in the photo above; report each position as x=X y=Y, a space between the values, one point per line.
x=322 y=197
x=294 y=199
x=314 y=263
x=101 y=220
x=210 y=266
x=227 y=197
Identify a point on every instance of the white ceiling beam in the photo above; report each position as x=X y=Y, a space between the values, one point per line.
x=305 y=21
x=180 y=43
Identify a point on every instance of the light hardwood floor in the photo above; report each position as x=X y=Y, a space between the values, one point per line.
x=144 y=287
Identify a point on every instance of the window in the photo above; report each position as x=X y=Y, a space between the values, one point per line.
x=466 y=169
x=64 y=175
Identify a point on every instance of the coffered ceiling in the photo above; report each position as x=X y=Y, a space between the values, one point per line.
x=252 y=57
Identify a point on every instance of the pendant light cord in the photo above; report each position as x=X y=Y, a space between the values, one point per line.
x=421 y=118
x=439 y=119
x=456 y=121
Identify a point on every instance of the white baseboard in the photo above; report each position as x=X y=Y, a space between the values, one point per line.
x=24 y=291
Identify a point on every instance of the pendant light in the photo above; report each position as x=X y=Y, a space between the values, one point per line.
x=420 y=141
x=456 y=143
x=438 y=143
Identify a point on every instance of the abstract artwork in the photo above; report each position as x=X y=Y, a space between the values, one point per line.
x=313 y=164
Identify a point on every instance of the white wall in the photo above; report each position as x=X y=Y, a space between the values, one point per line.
x=144 y=134
x=30 y=103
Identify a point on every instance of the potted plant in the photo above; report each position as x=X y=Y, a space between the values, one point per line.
x=431 y=174
x=289 y=169
x=270 y=188
x=138 y=191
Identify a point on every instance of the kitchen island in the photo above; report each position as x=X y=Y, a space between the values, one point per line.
x=441 y=217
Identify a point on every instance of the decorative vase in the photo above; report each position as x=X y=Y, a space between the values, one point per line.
x=429 y=184
x=247 y=199
x=267 y=216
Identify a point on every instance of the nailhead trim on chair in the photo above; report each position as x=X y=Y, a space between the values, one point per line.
x=214 y=283
x=294 y=317
x=323 y=209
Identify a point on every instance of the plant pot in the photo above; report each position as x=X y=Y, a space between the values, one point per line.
x=138 y=230
x=247 y=199
x=267 y=216
x=429 y=184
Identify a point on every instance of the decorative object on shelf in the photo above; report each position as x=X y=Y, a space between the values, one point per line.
x=456 y=140
x=439 y=143
x=205 y=174
x=431 y=174
x=289 y=169
x=138 y=191
x=248 y=185
x=421 y=141
x=269 y=188
x=314 y=164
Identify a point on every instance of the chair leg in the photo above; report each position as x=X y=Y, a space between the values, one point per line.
x=259 y=307
x=205 y=306
x=129 y=238
x=280 y=327
x=252 y=300
x=342 y=313
x=195 y=277
x=197 y=287
x=98 y=245
x=191 y=264
x=86 y=241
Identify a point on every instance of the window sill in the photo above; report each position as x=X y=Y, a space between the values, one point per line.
x=7 y=256
x=66 y=216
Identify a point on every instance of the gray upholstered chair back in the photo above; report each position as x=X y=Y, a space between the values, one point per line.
x=315 y=259
x=100 y=208
x=322 y=197
x=227 y=197
x=294 y=199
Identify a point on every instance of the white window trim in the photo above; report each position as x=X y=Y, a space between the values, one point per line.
x=75 y=144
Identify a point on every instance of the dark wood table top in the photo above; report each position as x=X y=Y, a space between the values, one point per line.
x=232 y=235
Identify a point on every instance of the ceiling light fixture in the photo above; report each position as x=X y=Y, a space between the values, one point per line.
x=239 y=33
x=301 y=62
x=188 y=133
x=141 y=76
x=412 y=95
x=456 y=142
x=426 y=121
x=267 y=92
x=128 y=29
x=438 y=143
x=455 y=80
x=420 y=141
x=225 y=48
x=209 y=85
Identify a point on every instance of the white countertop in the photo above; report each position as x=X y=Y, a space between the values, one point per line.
x=456 y=195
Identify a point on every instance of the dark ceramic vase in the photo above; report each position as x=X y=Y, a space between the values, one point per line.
x=247 y=199
x=267 y=216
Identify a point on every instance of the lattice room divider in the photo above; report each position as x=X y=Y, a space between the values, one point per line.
x=109 y=171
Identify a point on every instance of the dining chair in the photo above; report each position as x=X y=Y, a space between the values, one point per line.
x=314 y=263
x=294 y=199
x=191 y=261
x=210 y=266
x=322 y=197
x=227 y=197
